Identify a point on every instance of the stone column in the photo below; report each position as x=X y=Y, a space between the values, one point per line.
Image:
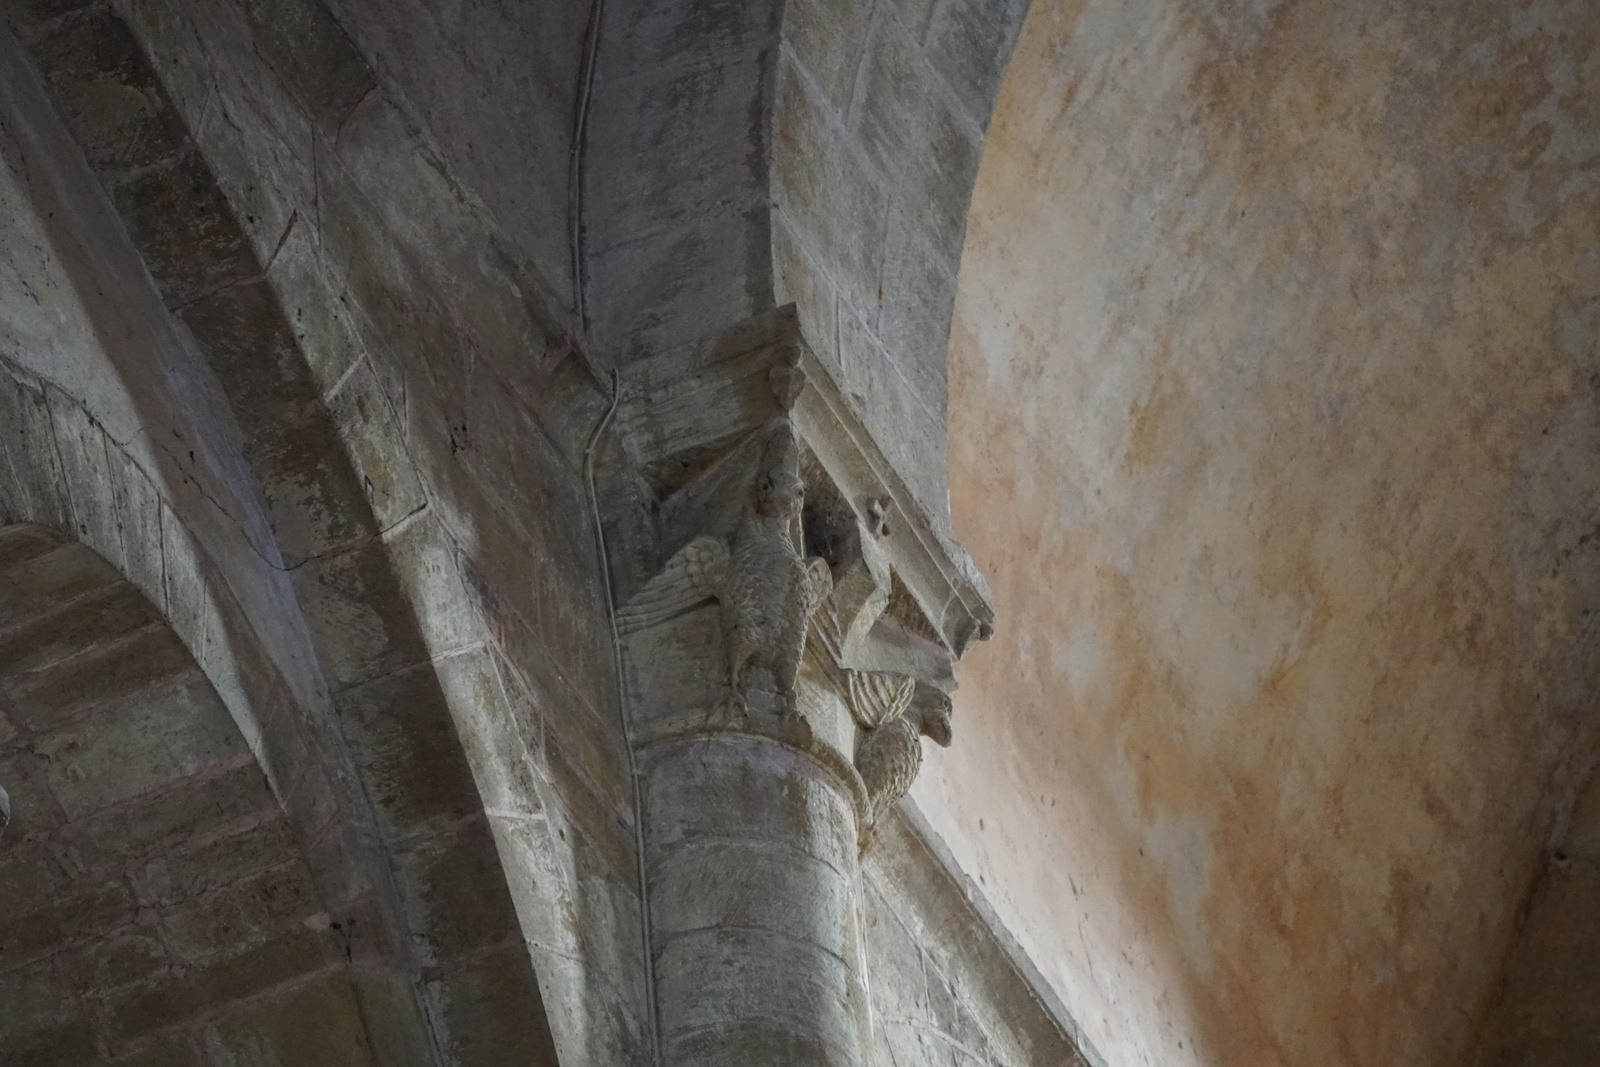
x=780 y=670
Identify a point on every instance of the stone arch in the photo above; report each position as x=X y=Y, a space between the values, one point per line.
x=294 y=609
x=159 y=906
x=739 y=157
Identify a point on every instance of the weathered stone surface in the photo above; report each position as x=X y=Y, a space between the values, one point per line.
x=110 y=97
x=317 y=1024
x=480 y=1003
x=453 y=875
x=718 y=979
x=390 y=360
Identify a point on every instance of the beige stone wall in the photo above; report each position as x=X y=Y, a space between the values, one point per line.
x=1274 y=427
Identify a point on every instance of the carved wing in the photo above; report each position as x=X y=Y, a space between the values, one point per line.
x=693 y=574
x=818 y=584
x=877 y=697
x=888 y=760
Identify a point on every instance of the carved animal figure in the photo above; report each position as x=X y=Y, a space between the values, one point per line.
x=890 y=756
x=770 y=592
x=765 y=590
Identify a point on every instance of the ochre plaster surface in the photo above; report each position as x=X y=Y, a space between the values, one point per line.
x=1273 y=423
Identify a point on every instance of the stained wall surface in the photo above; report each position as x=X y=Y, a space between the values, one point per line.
x=1273 y=423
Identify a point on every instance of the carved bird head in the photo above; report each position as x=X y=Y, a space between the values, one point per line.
x=934 y=719
x=780 y=495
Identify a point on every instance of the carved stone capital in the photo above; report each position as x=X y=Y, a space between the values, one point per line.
x=778 y=528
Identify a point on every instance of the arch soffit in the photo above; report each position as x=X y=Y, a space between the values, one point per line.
x=162 y=878
x=329 y=750
x=811 y=151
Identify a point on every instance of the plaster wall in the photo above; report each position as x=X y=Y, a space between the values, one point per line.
x=1273 y=424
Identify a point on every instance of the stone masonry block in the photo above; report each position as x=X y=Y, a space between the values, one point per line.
x=178 y=876
x=456 y=893
x=25 y=423
x=184 y=228
x=22 y=542
x=70 y=1042
x=970 y=43
x=427 y=564
x=914 y=134
x=103 y=674
x=491 y=1010
x=693 y=142
x=590 y=819
x=68 y=920
x=129 y=956
x=148 y=1007
x=404 y=741
x=138 y=507
x=893 y=961
x=30 y=877
x=108 y=95
x=313 y=55
x=826 y=190
x=122 y=751
x=691 y=34
x=103 y=615
x=759 y=1042
x=757 y=887
x=914 y=312
x=911 y=435
x=803 y=283
x=260 y=156
x=498 y=737
x=361 y=621
x=387 y=1003
x=322 y=323
x=53 y=578
x=238 y=796
x=317 y=1024
x=34 y=997
x=242 y=914
x=376 y=443
x=693 y=279
x=81 y=444
x=176 y=1050
x=31 y=17
x=825 y=38
x=711 y=978
x=746 y=788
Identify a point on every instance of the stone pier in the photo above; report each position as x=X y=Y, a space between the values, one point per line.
x=788 y=624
